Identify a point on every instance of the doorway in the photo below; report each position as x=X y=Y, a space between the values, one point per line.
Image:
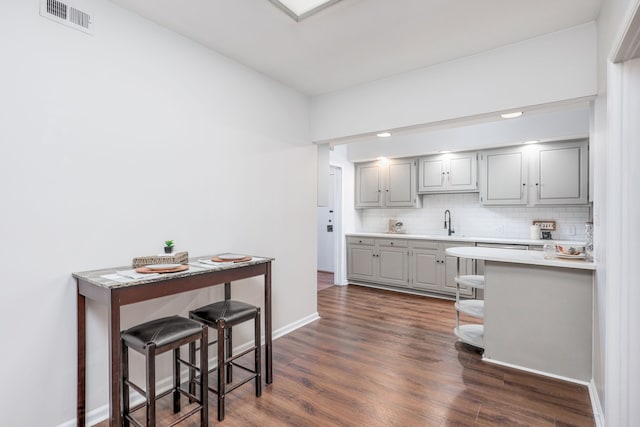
x=329 y=230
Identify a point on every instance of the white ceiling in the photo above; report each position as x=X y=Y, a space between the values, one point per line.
x=357 y=41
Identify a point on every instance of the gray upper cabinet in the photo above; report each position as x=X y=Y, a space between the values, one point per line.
x=369 y=185
x=401 y=183
x=560 y=173
x=391 y=184
x=503 y=177
x=446 y=173
x=542 y=174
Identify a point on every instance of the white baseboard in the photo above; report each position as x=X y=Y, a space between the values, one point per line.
x=535 y=371
x=295 y=325
x=102 y=413
x=598 y=414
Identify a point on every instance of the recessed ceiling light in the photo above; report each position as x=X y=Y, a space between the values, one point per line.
x=511 y=115
x=444 y=151
x=533 y=141
x=300 y=9
x=384 y=134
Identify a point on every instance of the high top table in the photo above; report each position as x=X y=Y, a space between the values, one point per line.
x=92 y=285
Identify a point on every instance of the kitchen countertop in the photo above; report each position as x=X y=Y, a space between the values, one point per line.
x=517 y=256
x=463 y=238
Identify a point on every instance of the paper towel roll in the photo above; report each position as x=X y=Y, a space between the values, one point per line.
x=534 y=232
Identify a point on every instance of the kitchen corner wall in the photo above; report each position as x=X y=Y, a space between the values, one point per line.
x=470 y=218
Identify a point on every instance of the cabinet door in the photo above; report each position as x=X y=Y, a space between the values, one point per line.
x=448 y=173
x=560 y=173
x=503 y=177
x=425 y=269
x=462 y=173
x=432 y=174
x=361 y=262
x=393 y=265
x=401 y=183
x=368 y=185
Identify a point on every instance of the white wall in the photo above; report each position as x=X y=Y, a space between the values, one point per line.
x=550 y=68
x=113 y=143
x=556 y=125
x=606 y=183
x=349 y=220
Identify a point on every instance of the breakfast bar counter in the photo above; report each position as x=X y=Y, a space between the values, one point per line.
x=105 y=287
x=538 y=312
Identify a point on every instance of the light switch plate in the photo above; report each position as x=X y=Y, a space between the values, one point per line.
x=545 y=225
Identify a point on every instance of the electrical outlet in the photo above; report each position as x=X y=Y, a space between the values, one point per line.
x=545 y=225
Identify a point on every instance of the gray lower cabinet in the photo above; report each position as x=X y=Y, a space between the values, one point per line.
x=361 y=258
x=384 y=261
x=420 y=265
x=435 y=271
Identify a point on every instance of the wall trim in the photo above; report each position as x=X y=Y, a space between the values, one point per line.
x=535 y=371
x=598 y=415
x=102 y=413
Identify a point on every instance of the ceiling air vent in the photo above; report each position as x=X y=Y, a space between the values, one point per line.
x=64 y=13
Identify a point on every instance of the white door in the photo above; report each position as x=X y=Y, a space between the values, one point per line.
x=326 y=228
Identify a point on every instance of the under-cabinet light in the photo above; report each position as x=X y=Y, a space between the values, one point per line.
x=384 y=134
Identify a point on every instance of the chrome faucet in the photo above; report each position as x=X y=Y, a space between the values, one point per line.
x=447 y=224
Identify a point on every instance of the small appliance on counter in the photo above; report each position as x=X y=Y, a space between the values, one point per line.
x=534 y=232
x=396 y=226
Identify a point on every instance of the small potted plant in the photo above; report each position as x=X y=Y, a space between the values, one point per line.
x=168 y=246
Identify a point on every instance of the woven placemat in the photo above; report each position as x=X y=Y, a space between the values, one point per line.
x=167 y=270
x=246 y=258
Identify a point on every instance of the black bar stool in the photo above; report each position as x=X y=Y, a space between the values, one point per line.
x=156 y=337
x=222 y=316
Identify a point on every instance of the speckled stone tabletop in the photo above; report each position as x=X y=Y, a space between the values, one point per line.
x=96 y=277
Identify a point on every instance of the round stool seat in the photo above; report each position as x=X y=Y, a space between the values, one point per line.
x=160 y=332
x=471 y=280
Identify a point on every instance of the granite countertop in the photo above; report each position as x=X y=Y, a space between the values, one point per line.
x=463 y=238
x=97 y=277
x=517 y=256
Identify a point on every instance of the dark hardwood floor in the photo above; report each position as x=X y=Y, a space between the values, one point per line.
x=379 y=358
x=325 y=280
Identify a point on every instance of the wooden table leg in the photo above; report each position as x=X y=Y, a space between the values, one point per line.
x=82 y=365
x=229 y=344
x=267 y=325
x=114 y=364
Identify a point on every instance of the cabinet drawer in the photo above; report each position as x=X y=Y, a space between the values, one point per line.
x=360 y=241
x=394 y=243
x=424 y=244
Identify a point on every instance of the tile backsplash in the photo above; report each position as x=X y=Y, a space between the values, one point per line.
x=470 y=218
